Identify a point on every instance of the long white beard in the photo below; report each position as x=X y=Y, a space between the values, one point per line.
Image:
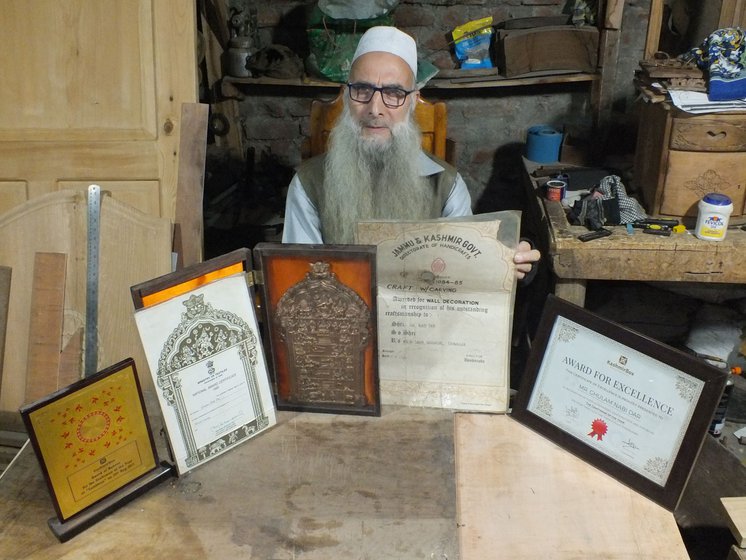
x=370 y=179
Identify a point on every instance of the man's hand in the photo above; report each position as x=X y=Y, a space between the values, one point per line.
x=524 y=259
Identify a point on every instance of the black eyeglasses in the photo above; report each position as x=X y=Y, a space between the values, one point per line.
x=392 y=97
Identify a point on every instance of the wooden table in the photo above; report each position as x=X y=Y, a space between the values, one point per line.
x=521 y=494
x=321 y=486
x=315 y=486
x=640 y=257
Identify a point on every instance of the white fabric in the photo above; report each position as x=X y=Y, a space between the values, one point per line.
x=303 y=225
x=390 y=40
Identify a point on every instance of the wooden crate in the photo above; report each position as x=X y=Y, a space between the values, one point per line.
x=680 y=157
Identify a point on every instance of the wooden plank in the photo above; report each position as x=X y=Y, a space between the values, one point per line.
x=71 y=360
x=5 y=276
x=733 y=13
x=519 y=495
x=571 y=290
x=602 y=91
x=45 y=328
x=613 y=15
x=655 y=22
x=735 y=507
x=192 y=148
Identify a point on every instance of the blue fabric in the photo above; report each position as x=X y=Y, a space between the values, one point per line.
x=723 y=57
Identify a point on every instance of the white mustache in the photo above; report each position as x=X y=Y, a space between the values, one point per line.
x=374 y=123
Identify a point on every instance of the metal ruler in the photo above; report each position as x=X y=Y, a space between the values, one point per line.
x=92 y=262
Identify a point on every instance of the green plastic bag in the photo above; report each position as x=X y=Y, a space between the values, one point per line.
x=332 y=43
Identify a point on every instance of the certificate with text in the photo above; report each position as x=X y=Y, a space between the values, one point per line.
x=623 y=403
x=445 y=305
x=630 y=405
x=205 y=356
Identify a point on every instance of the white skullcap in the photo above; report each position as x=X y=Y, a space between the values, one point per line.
x=390 y=40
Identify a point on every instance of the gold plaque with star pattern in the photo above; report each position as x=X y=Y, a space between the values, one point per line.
x=92 y=438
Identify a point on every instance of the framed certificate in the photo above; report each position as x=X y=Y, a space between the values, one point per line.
x=633 y=407
x=201 y=337
x=94 y=445
x=320 y=313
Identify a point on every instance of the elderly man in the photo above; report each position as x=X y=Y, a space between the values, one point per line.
x=375 y=167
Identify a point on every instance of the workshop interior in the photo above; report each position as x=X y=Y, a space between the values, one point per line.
x=177 y=379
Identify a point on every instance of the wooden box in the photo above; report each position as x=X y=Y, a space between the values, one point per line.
x=553 y=48
x=680 y=157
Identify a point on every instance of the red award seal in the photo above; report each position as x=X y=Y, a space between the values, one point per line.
x=598 y=429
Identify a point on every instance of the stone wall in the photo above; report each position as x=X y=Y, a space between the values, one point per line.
x=487 y=125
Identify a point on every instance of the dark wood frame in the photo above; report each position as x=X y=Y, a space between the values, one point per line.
x=66 y=527
x=714 y=380
x=339 y=256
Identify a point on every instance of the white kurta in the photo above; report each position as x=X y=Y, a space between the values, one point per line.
x=303 y=225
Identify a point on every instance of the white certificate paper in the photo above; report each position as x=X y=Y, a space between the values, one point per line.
x=208 y=366
x=445 y=306
x=621 y=402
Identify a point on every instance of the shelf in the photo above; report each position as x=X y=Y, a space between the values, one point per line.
x=234 y=87
x=496 y=81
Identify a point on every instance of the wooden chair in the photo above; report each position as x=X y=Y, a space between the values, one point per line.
x=431 y=118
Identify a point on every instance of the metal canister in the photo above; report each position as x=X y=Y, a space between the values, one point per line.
x=556 y=189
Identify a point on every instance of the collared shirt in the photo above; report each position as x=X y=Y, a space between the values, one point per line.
x=303 y=225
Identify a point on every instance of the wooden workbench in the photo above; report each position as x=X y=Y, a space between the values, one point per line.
x=320 y=486
x=315 y=486
x=641 y=257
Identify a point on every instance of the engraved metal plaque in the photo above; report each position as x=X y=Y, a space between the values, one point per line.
x=325 y=326
x=320 y=313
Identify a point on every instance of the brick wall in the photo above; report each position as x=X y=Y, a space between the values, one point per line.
x=488 y=126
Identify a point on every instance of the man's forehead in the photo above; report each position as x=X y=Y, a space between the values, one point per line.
x=381 y=68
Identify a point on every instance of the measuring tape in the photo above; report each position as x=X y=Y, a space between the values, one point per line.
x=91 y=301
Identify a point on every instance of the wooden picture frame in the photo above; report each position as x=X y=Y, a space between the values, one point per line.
x=320 y=320
x=95 y=447
x=631 y=406
x=203 y=343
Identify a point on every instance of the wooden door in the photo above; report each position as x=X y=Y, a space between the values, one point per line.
x=92 y=93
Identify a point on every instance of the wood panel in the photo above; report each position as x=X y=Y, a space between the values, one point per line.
x=142 y=195
x=521 y=497
x=92 y=92
x=56 y=223
x=691 y=175
x=655 y=22
x=733 y=14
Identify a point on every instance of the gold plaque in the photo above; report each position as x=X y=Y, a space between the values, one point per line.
x=92 y=438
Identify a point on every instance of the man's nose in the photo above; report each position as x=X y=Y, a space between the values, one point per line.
x=376 y=106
